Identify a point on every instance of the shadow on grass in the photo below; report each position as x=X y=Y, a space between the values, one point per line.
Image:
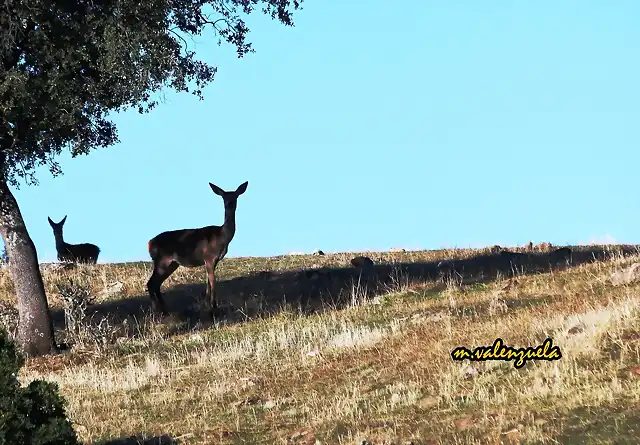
x=133 y=440
x=310 y=290
x=601 y=424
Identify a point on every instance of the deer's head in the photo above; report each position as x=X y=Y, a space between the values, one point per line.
x=230 y=198
x=57 y=227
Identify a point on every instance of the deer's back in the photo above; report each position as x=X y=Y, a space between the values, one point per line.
x=86 y=248
x=184 y=243
x=85 y=252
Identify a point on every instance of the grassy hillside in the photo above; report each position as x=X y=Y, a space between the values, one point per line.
x=314 y=351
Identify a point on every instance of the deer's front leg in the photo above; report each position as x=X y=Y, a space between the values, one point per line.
x=211 y=288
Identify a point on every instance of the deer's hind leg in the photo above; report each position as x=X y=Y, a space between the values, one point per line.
x=161 y=271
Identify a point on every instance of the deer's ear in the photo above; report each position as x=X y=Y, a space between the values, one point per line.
x=63 y=220
x=217 y=190
x=51 y=223
x=242 y=188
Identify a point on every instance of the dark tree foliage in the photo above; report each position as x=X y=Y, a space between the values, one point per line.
x=33 y=415
x=64 y=66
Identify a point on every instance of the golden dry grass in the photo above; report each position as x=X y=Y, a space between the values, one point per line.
x=379 y=370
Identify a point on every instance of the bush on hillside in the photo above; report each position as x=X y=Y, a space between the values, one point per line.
x=34 y=415
x=9 y=318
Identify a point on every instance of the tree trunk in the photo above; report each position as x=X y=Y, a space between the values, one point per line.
x=35 y=330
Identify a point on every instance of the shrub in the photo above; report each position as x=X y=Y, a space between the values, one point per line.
x=34 y=415
x=9 y=318
x=4 y=258
x=81 y=329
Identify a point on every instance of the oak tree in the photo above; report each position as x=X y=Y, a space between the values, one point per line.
x=65 y=65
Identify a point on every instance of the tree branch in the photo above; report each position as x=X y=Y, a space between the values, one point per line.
x=206 y=21
x=186 y=45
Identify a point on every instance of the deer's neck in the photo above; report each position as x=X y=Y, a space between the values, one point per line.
x=229 y=226
x=60 y=244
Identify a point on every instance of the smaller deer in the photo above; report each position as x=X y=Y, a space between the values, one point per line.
x=563 y=255
x=74 y=253
x=193 y=248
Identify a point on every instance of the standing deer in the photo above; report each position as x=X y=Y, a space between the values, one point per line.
x=192 y=248
x=563 y=255
x=74 y=253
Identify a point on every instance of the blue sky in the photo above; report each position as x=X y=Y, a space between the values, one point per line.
x=438 y=124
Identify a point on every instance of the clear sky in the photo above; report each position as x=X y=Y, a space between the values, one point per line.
x=437 y=124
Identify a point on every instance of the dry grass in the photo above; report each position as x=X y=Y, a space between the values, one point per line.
x=377 y=370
